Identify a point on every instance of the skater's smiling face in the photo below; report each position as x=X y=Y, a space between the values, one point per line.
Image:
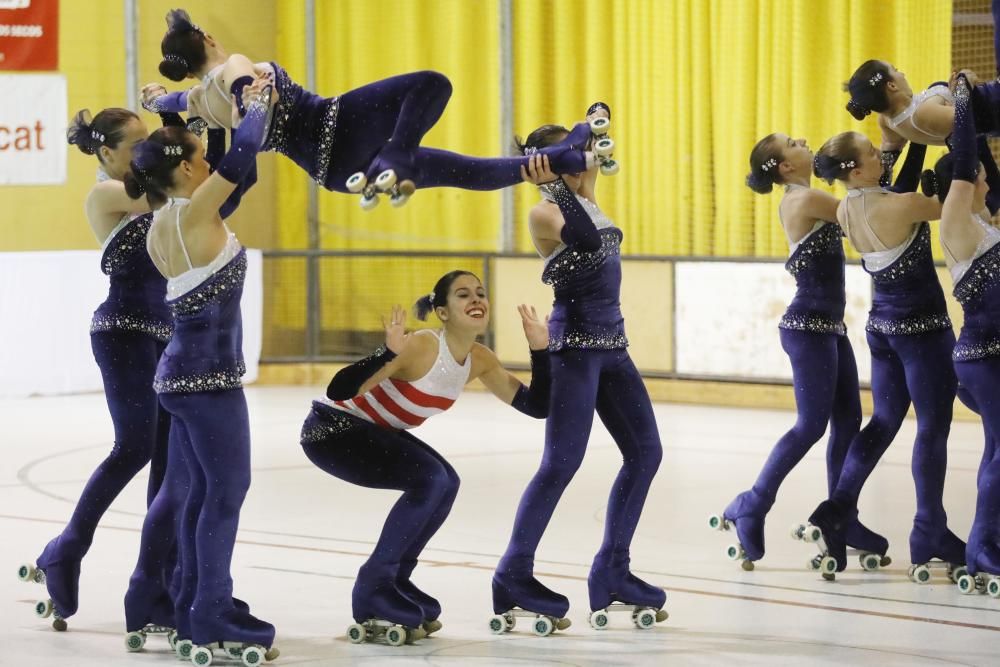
x=468 y=306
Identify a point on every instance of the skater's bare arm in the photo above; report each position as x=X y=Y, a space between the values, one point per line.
x=891 y=140
x=532 y=400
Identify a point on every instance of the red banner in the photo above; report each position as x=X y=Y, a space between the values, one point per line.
x=29 y=35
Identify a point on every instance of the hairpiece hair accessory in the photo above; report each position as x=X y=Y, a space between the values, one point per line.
x=173 y=151
x=173 y=57
x=875 y=79
x=850 y=164
x=430 y=298
x=770 y=164
x=94 y=134
x=530 y=150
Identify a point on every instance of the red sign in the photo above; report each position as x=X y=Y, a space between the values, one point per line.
x=29 y=35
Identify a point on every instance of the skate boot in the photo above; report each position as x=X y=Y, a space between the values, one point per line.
x=933 y=547
x=148 y=610
x=183 y=646
x=603 y=146
x=237 y=634
x=827 y=528
x=871 y=546
x=520 y=594
x=430 y=607
x=58 y=568
x=746 y=514
x=613 y=588
x=392 y=173
x=381 y=611
x=983 y=575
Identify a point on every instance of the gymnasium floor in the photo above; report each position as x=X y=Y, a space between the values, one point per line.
x=304 y=534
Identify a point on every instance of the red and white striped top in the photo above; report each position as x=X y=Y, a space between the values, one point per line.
x=398 y=404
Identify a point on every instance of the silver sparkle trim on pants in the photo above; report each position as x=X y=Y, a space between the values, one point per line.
x=812 y=324
x=161 y=331
x=976 y=351
x=324 y=425
x=212 y=381
x=586 y=341
x=910 y=325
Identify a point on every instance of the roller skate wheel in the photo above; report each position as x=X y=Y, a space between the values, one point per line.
x=966 y=584
x=828 y=565
x=511 y=620
x=252 y=656
x=368 y=203
x=747 y=565
x=600 y=125
x=956 y=571
x=797 y=530
x=59 y=625
x=604 y=147
x=385 y=180
x=202 y=656
x=395 y=636
x=993 y=588
x=356 y=633
x=357 y=182
x=183 y=649
x=920 y=574
x=235 y=652
x=26 y=573
x=812 y=534
x=134 y=641
x=716 y=522
x=542 y=626
x=399 y=200
x=609 y=168
x=43 y=608
x=498 y=625
x=870 y=562
x=813 y=563
x=599 y=620
x=172 y=640
x=644 y=619
x=734 y=552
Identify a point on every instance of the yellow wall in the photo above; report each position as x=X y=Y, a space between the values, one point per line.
x=92 y=58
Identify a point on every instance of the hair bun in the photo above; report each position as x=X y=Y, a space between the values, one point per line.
x=761 y=183
x=929 y=183
x=81 y=133
x=859 y=112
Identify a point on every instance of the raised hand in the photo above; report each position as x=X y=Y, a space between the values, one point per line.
x=395 y=329
x=535 y=329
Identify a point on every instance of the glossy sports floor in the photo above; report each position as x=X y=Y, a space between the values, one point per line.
x=303 y=535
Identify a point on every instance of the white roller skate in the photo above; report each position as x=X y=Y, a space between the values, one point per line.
x=734 y=551
x=250 y=655
x=375 y=629
x=604 y=146
x=136 y=640
x=823 y=563
x=541 y=625
x=920 y=573
x=979 y=583
x=385 y=183
x=643 y=617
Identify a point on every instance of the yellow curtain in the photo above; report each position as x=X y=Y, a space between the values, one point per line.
x=693 y=84
x=358 y=43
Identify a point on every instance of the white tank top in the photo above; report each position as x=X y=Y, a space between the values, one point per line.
x=992 y=237
x=400 y=405
x=180 y=285
x=905 y=117
x=885 y=256
x=213 y=89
